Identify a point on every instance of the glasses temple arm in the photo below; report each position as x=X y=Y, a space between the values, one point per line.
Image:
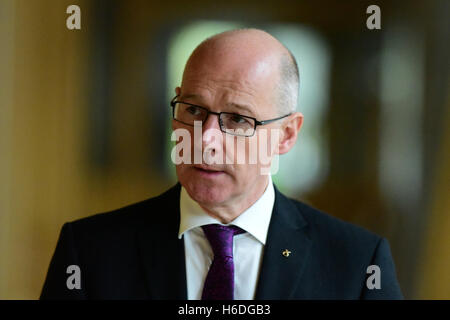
x=173 y=101
x=271 y=120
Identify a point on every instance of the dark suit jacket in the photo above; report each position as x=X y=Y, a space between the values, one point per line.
x=135 y=253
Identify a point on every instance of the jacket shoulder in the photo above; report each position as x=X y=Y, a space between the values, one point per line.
x=335 y=230
x=132 y=215
x=340 y=255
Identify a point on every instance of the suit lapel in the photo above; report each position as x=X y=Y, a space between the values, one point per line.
x=281 y=273
x=160 y=250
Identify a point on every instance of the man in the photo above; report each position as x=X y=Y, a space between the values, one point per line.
x=225 y=231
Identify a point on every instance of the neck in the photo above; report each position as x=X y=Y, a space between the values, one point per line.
x=229 y=210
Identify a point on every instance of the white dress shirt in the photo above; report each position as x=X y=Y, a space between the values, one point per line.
x=247 y=247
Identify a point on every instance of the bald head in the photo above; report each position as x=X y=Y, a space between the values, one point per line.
x=252 y=55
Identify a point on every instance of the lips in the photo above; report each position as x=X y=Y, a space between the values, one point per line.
x=208 y=171
x=207 y=168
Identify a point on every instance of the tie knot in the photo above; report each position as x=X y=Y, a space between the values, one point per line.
x=221 y=238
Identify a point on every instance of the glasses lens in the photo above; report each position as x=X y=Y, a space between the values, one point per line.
x=188 y=114
x=237 y=125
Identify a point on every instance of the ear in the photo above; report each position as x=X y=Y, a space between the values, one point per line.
x=290 y=130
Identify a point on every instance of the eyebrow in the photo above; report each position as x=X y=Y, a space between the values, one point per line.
x=229 y=104
x=243 y=107
x=188 y=96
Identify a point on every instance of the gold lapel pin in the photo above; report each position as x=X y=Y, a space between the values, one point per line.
x=286 y=253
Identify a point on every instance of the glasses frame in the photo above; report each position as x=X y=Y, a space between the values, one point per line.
x=218 y=114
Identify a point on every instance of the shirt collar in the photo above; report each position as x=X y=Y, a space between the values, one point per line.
x=255 y=220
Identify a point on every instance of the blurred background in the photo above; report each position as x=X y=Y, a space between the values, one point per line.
x=85 y=119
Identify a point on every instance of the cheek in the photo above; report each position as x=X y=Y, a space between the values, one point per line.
x=240 y=150
x=180 y=170
x=268 y=140
x=244 y=174
x=183 y=171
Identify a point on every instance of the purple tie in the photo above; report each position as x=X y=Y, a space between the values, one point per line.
x=219 y=283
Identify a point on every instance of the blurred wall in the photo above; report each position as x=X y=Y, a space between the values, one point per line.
x=433 y=275
x=46 y=176
x=82 y=129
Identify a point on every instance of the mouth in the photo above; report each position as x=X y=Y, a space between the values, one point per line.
x=208 y=171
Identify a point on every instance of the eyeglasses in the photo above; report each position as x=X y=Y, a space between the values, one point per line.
x=230 y=123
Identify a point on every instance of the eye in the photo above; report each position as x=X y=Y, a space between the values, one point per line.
x=238 y=119
x=193 y=110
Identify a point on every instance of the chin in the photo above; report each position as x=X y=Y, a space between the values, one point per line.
x=206 y=193
x=204 y=190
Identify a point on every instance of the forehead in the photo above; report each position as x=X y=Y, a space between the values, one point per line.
x=231 y=83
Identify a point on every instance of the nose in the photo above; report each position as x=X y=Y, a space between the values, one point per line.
x=212 y=121
x=212 y=139
x=209 y=127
